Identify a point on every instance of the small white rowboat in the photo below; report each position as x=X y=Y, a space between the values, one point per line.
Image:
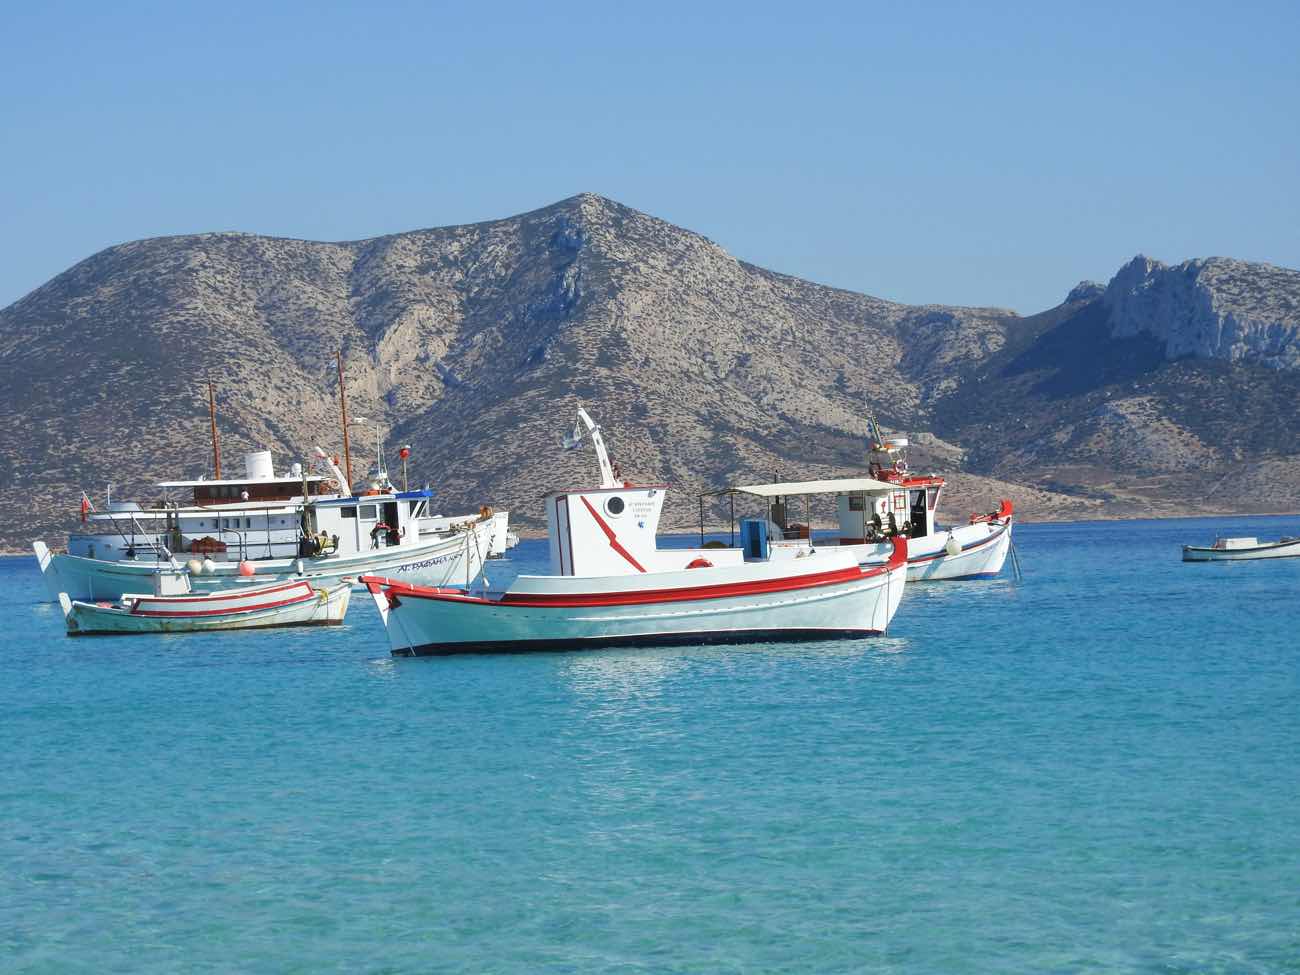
x=295 y=603
x=1241 y=549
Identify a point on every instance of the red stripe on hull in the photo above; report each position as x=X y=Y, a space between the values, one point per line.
x=188 y=613
x=220 y=597
x=851 y=573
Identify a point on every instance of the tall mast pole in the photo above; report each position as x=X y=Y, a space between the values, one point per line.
x=343 y=403
x=212 y=418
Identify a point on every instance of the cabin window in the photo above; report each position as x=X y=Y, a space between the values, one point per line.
x=418 y=508
x=857 y=502
x=931 y=497
x=614 y=506
x=369 y=512
x=349 y=512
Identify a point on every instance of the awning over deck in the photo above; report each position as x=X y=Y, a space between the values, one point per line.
x=786 y=489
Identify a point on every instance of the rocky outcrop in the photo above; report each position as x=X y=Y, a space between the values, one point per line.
x=1085 y=291
x=1212 y=308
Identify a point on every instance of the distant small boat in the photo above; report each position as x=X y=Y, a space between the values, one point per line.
x=295 y=603
x=1240 y=549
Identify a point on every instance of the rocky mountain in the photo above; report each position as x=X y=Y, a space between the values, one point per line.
x=475 y=343
x=1214 y=308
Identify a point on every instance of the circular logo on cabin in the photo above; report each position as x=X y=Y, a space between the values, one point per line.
x=614 y=505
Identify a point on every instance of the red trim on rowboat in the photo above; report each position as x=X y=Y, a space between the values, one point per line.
x=613 y=539
x=646 y=596
x=225 y=612
x=219 y=597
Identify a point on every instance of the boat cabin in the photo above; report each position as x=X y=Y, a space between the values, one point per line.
x=869 y=510
x=260 y=516
x=258 y=485
x=612 y=529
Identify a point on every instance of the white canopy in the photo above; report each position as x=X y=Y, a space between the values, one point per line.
x=843 y=485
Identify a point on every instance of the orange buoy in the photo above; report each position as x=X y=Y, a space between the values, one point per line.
x=246 y=568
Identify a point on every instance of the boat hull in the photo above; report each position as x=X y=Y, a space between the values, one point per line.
x=830 y=597
x=981 y=553
x=258 y=609
x=450 y=561
x=1285 y=549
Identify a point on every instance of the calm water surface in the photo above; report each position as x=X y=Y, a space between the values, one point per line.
x=1097 y=769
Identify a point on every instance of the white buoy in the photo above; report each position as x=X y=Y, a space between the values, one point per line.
x=952 y=546
x=209 y=567
x=195 y=567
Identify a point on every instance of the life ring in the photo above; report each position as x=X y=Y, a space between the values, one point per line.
x=330 y=484
x=380 y=527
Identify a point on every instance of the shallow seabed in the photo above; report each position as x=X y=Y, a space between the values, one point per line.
x=1097 y=769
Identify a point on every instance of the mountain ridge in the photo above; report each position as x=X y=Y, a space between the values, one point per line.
x=473 y=342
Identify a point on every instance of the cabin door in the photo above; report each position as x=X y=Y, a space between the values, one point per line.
x=393 y=532
x=918 y=515
x=367 y=520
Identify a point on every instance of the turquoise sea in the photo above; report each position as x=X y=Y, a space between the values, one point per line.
x=1094 y=770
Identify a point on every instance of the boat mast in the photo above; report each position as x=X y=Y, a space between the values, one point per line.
x=212 y=418
x=343 y=403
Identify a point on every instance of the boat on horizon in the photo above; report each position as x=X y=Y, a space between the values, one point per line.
x=611 y=585
x=1242 y=550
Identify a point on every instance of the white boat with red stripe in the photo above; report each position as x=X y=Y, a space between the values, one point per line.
x=611 y=585
x=293 y=603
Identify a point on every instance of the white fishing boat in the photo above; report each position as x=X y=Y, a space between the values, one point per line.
x=293 y=603
x=274 y=526
x=892 y=502
x=1242 y=549
x=610 y=584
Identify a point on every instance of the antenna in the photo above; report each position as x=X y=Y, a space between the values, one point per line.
x=343 y=405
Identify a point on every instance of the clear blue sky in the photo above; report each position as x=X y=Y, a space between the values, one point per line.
x=958 y=153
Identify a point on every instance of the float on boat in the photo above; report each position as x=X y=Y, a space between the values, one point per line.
x=293 y=603
x=610 y=584
x=274 y=526
x=1242 y=549
x=892 y=502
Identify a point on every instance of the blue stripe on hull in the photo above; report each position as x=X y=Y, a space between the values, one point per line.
x=648 y=640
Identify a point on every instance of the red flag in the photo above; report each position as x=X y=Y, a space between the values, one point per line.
x=85 y=507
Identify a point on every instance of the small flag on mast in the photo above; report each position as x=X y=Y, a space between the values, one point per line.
x=85 y=506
